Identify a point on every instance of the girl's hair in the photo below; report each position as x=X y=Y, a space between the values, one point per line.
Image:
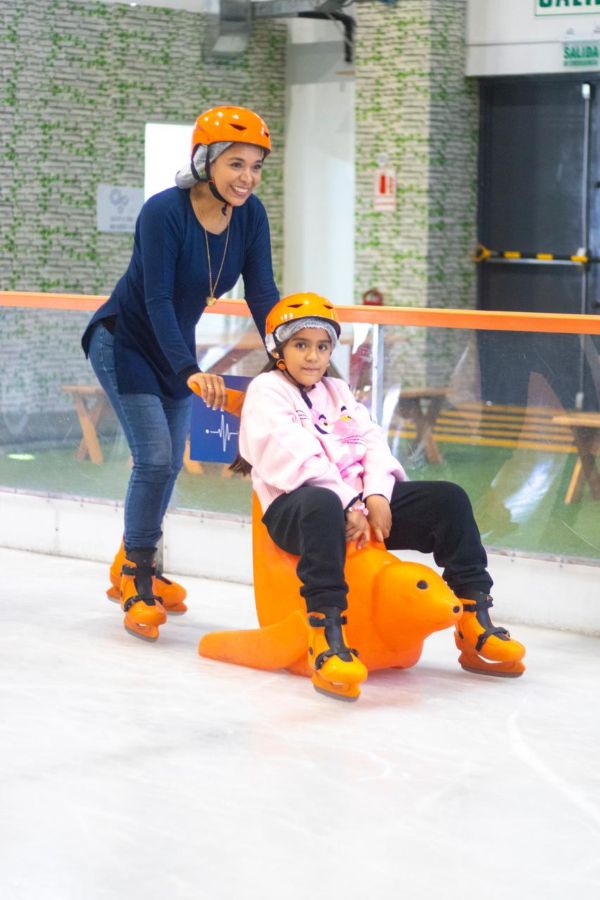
x=241 y=466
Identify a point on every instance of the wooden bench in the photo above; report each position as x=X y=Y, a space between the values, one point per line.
x=585 y=427
x=90 y=403
x=529 y=428
x=483 y=425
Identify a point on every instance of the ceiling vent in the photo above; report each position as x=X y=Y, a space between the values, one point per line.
x=228 y=29
x=229 y=21
x=286 y=8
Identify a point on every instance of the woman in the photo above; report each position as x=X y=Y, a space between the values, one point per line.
x=191 y=244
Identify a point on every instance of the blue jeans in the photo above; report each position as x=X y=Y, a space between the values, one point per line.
x=156 y=430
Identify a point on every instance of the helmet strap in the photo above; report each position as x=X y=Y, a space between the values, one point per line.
x=213 y=188
x=193 y=168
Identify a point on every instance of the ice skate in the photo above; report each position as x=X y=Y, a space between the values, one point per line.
x=170 y=593
x=337 y=671
x=485 y=648
x=144 y=612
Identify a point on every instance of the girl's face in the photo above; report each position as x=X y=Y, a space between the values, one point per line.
x=307 y=355
x=237 y=171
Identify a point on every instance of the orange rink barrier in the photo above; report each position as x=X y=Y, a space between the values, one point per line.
x=479 y=320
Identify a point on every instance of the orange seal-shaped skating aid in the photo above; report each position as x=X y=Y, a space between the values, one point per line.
x=392 y=607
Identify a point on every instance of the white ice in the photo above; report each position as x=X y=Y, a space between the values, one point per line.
x=133 y=770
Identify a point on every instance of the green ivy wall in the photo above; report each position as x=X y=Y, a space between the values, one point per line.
x=416 y=109
x=79 y=82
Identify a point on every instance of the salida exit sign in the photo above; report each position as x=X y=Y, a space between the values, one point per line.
x=566 y=7
x=581 y=53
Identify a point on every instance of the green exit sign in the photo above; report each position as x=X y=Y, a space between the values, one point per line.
x=566 y=7
x=581 y=53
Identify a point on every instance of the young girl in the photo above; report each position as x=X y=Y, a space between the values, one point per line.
x=324 y=475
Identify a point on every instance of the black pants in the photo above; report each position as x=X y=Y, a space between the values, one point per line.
x=430 y=516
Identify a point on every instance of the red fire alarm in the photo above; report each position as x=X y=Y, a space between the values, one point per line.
x=372 y=297
x=384 y=190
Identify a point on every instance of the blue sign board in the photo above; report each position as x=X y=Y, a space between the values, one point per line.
x=214 y=432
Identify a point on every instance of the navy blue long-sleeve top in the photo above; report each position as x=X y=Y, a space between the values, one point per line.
x=156 y=305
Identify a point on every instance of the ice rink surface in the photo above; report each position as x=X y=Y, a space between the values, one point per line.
x=131 y=770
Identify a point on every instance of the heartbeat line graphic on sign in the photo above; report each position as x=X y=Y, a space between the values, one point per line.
x=214 y=433
x=224 y=432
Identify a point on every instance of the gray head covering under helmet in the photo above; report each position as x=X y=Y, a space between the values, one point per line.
x=186 y=178
x=285 y=331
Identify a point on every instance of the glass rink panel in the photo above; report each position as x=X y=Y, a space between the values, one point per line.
x=513 y=417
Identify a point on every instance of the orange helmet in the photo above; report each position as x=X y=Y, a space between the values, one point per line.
x=231 y=123
x=295 y=308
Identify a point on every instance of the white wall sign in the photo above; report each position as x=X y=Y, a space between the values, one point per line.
x=117 y=207
x=384 y=190
x=566 y=7
x=528 y=37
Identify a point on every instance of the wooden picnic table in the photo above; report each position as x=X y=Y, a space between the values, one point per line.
x=586 y=436
x=422 y=406
x=91 y=403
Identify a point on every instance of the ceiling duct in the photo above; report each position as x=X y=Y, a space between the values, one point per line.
x=284 y=8
x=228 y=26
x=228 y=29
x=311 y=9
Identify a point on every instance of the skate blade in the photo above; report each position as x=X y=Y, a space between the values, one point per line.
x=496 y=669
x=148 y=633
x=347 y=692
x=478 y=662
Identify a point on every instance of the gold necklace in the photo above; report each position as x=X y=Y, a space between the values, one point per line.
x=212 y=299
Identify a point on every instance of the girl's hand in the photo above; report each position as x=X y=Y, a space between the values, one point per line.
x=210 y=387
x=380 y=516
x=357 y=527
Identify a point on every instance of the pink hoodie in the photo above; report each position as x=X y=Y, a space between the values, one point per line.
x=332 y=443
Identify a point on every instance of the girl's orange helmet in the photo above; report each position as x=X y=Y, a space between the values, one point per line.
x=231 y=123
x=296 y=307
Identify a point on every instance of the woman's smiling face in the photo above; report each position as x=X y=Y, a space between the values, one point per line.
x=237 y=172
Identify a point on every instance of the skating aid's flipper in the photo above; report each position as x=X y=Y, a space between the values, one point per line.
x=270 y=648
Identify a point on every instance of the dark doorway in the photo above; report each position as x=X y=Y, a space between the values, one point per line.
x=539 y=181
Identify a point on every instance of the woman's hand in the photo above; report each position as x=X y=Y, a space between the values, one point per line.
x=357 y=527
x=210 y=387
x=380 y=516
